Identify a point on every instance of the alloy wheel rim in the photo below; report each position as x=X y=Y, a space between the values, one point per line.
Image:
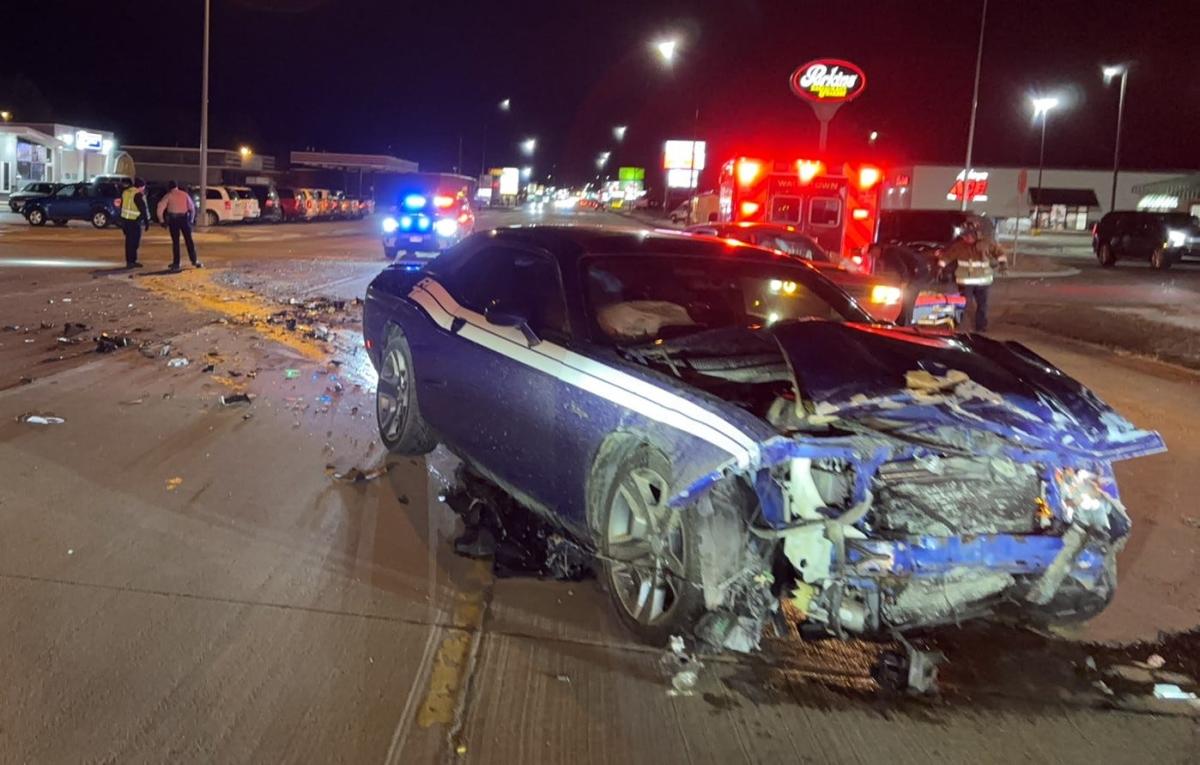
x=645 y=545
x=391 y=393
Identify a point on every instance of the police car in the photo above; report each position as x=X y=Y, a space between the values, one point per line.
x=432 y=212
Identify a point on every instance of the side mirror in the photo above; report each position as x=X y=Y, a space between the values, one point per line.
x=503 y=315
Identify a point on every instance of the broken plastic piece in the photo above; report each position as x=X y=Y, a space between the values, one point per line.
x=178 y=363
x=235 y=399
x=174 y=483
x=291 y=374
x=40 y=419
x=107 y=343
x=1154 y=661
x=207 y=368
x=1172 y=692
x=358 y=475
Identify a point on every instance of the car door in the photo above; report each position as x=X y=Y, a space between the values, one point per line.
x=484 y=387
x=60 y=205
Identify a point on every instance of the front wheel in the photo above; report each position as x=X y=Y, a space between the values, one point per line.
x=100 y=219
x=1160 y=260
x=1105 y=255
x=36 y=217
x=401 y=426
x=651 y=554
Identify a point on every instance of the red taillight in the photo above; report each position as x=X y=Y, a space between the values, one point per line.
x=442 y=201
x=748 y=171
x=861 y=214
x=868 y=177
x=750 y=208
x=370 y=343
x=808 y=169
x=308 y=204
x=270 y=203
x=117 y=202
x=228 y=204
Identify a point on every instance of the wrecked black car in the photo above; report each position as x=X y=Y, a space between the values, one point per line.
x=735 y=438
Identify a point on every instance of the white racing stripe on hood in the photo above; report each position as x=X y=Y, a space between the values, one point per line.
x=587 y=374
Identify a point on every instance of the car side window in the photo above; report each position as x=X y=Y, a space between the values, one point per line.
x=66 y=192
x=517 y=280
x=212 y=194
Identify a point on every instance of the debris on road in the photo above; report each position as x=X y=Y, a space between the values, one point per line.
x=291 y=374
x=235 y=399
x=1192 y=521
x=680 y=667
x=518 y=542
x=355 y=474
x=1172 y=692
x=1154 y=661
x=178 y=362
x=207 y=368
x=40 y=419
x=174 y=483
x=107 y=343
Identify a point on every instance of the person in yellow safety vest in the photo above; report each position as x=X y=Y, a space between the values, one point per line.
x=975 y=261
x=135 y=218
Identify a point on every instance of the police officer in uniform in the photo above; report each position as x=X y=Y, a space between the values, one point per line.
x=135 y=218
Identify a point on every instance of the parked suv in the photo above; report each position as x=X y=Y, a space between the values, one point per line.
x=33 y=190
x=99 y=203
x=221 y=206
x=1162 y=238
x=268 y=202
x=291 y=203
x=244 y=198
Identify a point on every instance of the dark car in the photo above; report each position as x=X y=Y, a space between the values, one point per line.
x=929 y=229
x=880 y=294
x=724 y=448
x=270 y=209
x=1158 y=237
x=33 y=190
x=99 y=203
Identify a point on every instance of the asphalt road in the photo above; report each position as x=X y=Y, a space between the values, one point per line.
x=186 y=581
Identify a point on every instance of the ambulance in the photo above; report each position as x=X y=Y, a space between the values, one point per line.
x=836 y=203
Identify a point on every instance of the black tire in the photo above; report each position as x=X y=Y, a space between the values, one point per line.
x=1160 y=260
x=655 y=583
x=389 y=253
x=211 y=218
x=401 y=427
x=36 y=217
x=100 y=219
x=1105 y=255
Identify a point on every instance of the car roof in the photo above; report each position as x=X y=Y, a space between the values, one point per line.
x=569 y=243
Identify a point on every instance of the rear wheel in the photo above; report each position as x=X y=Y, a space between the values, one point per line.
x=211 y=217
x=1160 y=260
x=1106 y=256
x=100 y=219
x=36 y=217
x=401 y=426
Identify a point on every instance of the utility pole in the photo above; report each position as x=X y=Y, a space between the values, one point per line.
x=202 y=222
x=974 y=109
x=1112 y=200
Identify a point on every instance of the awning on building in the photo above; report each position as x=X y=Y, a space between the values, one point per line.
x=1185 y=186
x=1064 y=197
x=378 y=163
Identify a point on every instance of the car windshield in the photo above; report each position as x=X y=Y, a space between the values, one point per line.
x=639 y=299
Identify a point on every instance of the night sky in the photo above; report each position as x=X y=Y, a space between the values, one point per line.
x=410 y=78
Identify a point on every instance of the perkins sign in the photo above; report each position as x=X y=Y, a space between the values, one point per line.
x=828 y=80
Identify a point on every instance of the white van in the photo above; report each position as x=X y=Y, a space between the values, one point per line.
x=243 y=196
x=222 y=207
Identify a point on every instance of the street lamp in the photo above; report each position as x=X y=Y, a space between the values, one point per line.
x=619 y=132
x=528 y=146
x=246 y=152
x=602 y=159
x=1041 y=108
x=526 y=173
x=872 y=137
x=505 y=105
x=6 y=116
x=1122 y=71
x=666 y=49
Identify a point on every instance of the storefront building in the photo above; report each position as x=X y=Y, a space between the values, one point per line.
x=1068 y=199
x=56 y=153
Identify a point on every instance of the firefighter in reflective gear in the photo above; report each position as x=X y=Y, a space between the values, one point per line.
x=135 y=218
x=975 y=261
